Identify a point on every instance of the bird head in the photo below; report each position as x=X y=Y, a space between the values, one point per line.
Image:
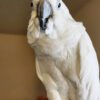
x=49 y=17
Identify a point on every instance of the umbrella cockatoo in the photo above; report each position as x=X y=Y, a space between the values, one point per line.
x=66 y=60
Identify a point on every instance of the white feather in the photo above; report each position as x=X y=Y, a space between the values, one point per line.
x=66 y=60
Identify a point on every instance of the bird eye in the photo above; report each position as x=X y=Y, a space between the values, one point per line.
x=59 y=5
x=31 y=4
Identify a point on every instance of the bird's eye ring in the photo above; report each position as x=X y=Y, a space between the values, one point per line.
x=59 y=5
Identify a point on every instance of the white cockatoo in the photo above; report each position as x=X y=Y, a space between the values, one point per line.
x=66 y=61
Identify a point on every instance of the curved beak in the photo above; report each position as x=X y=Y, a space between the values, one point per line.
x=44 y=11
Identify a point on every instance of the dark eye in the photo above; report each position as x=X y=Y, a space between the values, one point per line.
x=31 y=4
x=59 y=5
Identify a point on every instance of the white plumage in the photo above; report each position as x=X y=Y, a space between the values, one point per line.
x=66 y=61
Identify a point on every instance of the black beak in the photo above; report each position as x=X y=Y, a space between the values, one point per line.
x=44 y=12
x=43 y=24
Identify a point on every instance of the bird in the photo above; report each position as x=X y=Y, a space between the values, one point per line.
x=66 y=60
